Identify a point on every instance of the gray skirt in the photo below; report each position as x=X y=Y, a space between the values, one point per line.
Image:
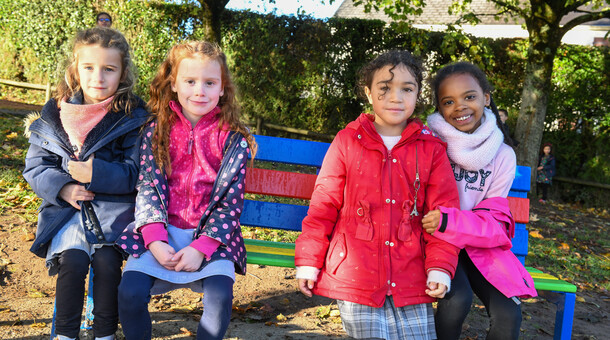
x=70 y=236
x=167 y=280
x=388 y=322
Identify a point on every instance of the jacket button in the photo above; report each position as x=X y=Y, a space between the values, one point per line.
x=391 y=244
x=359 y=137
x=387 y=200
x=45 y=143
x=387 y=243
x=394 y=160
x=393 y=201
x=393 y=284
x=388 y=281
x=341 y=254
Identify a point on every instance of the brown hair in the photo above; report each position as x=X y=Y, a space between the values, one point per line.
x=124 y=98
x=161 y=94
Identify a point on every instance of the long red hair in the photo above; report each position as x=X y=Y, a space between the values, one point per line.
x=161 y=94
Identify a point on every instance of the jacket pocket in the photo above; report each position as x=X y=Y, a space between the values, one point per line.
x=364 y=227
x=337 y=254
x=407 y=222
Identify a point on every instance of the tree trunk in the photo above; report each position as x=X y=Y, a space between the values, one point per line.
x=211 y=15
x=545 y=38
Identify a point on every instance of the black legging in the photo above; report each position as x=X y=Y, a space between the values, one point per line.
x=504 y=313
x=70 y=290
x=545 y=189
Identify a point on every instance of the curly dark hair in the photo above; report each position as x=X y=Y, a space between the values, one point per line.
x=393 y=58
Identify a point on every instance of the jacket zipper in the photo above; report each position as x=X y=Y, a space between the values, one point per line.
x=190 y=175
x=389 y=249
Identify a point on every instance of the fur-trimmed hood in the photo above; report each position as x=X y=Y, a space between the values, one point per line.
x=28 y=120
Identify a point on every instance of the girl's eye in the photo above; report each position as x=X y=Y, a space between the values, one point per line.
x=470 y=97
x=448 y=102
x=190 y=82
x=89 y=68
x=407 y=89
x=109 y=69
x=210 y=83
x=384 y=88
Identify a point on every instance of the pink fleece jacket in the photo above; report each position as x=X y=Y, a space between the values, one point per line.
x=196 y=154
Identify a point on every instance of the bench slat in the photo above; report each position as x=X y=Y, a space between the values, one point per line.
x=520 y=209
x=273 y=215
x=280 y=183
x=293 y=151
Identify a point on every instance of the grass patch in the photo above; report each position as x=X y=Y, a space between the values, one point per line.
x=572 y=243
x=14 y=190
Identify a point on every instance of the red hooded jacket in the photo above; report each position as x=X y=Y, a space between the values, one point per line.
x=360 y=230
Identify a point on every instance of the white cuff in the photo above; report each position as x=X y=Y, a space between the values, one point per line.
x=307 y=273
x=439 y=277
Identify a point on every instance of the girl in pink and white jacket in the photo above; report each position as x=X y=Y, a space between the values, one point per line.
x=484 y=168
x=190 y=193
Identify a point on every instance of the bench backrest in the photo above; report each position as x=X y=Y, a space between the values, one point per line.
x=300 y=153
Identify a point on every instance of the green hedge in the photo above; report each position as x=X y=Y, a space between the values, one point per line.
x=301 y=72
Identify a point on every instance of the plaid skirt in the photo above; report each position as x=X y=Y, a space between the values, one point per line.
x=389 y=321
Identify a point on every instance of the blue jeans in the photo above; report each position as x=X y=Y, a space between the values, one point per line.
x=134 y=295
x=504 y=313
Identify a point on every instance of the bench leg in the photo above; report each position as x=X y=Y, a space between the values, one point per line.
x=564 y=317
x=88 y=322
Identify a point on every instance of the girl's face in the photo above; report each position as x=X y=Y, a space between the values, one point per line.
x=199 y=87
x=99 y=72
x=461 y=102
x=393 y=96
x=546 y=150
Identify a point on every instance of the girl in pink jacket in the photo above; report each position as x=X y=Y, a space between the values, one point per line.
x=484 y=168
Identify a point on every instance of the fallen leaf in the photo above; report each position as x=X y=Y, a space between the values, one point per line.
x=186 y=332
x=323 y=312
x=33 y=293
x=534 y=218
x=334 y=313
x=280 y=317
x=536 y=234
x=580 y=299
x=564 y=246
x=38 y=325
x=271 y=323
x=285 y=301
x=29 y=236
x=11 y=135
x=182 y=309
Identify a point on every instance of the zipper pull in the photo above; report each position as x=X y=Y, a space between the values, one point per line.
x=190 y=142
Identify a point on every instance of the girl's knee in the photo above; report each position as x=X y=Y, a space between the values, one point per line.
x=75 y=262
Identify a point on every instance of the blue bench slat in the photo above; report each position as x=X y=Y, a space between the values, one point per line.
x=522 y=179
x=520 y=242
x=286 y=150
x=273 y=215
x=520 y=194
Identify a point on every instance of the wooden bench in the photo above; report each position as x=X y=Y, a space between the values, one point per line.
x=287 y=216
x=266 y=183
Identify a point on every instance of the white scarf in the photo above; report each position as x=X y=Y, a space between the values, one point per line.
x=471 y=151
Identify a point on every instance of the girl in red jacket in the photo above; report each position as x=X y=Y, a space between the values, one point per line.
x=484 y=166
x=362 y=241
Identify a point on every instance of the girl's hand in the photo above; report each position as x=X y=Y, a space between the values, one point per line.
x=305 y=286
x=81 y=171
x=539 y=168
x=164 y=254
x=72 y=193
x=436 y=290
x=431 y=220
x=189 y=259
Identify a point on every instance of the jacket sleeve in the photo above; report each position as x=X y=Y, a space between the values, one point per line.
x=441 y=190
x=481 y=227
x=44 y=172
x=221 y=218
x=151 y=198
x=485 y=226
x=118 y=177
x=326 y=201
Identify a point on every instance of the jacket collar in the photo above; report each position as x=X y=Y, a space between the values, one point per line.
x=205 y=120
x=365 y=128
